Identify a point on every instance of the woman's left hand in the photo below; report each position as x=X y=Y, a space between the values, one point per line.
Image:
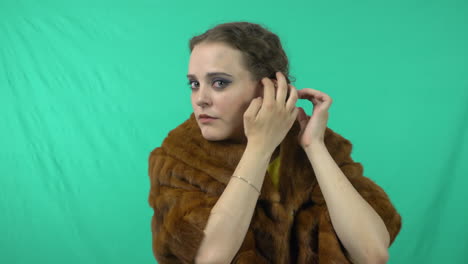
x=313 y=127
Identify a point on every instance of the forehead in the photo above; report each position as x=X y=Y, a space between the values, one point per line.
x=207 y=57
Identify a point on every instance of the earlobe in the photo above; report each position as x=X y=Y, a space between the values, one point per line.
x=259 y=90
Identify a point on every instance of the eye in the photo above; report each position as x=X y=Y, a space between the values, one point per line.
x=190 y=84
x=224 y=83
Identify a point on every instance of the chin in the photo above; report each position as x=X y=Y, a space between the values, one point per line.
x=208 y=135
x=213 y=138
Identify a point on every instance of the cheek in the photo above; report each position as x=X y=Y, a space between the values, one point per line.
x=235 y=108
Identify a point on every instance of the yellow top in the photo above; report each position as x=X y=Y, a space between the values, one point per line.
x=273 y=170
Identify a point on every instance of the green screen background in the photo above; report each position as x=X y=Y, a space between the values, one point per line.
x=88 y=90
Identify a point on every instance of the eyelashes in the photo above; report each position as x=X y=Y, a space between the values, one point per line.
x=226 y=83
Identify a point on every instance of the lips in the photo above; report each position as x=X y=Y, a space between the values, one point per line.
x=205 y=116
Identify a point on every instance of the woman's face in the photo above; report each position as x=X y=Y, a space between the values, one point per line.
x=221 y=88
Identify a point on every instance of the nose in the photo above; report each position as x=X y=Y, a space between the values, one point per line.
x=203 y=97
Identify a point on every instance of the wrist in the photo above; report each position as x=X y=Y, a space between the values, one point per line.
x=315 y=146
x=259 y=150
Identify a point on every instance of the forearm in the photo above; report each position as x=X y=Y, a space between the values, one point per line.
x=232 y=214
x=359 y=228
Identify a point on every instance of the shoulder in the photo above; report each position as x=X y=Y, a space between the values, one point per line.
x=158 y=151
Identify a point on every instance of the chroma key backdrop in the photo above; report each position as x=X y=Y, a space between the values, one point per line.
x=89 y=88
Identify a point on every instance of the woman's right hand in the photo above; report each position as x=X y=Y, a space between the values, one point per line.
x=267 y=120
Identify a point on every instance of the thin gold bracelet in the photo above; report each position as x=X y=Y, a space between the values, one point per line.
x=247 y=181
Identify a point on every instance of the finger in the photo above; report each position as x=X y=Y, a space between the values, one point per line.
x=315 y=96
x=254 y=107
x=327 y=102
x=291 y=103
x=268 y=91
x=295 y=113
x=302 y=117
x=315 y=100
x=282 y=88
x=306 y=117
x=321 y=98
x=307 y=93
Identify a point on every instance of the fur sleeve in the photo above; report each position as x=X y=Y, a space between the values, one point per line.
x=340 y=149
x=181 y=211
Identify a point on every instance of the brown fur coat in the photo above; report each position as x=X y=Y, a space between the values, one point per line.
x=292 y=225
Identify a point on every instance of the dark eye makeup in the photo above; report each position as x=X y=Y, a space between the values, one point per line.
x=226 y=82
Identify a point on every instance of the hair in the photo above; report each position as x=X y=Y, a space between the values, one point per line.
x=263 y=54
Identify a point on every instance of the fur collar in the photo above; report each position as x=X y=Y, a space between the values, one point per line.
x=296 y=210
x=219 y=159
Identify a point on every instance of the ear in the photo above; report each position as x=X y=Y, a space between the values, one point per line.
x=259 y=89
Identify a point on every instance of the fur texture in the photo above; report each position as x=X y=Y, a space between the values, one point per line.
x=290 y=225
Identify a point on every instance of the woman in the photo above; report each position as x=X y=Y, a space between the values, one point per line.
x=250 y=178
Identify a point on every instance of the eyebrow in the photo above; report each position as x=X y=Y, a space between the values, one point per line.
x=209 y=74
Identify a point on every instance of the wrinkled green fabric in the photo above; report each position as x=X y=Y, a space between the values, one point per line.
x=88 y=89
